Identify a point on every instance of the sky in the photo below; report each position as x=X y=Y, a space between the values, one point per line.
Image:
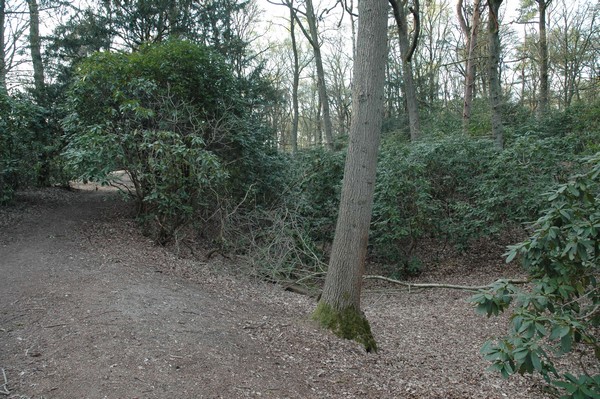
x=275 y=17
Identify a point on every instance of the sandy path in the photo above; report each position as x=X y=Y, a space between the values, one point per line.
x=89 y=308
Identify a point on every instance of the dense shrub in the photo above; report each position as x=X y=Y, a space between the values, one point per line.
x=427 y=189
x=558 y=314
x=450 y=189
x=316 y=190
x=295 y=232
x=457 y=188
x=25 y=143
x=175 y=117
x=512 y=183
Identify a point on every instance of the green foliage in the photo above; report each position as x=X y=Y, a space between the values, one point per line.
x=427 y=190
x=316 y=190
x=558 y=315
x=25 y=143
x=174 y=116
x=294 y=231
x=515 y=178
x=455 y=188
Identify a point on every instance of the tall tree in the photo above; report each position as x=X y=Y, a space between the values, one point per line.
x=494 y=65
x=471 y=39
x=574 y=51
x=543 y=49
x=339 y=306
x=312 y=34
x=295 y=82
x=408 y=44
x=35 y=46
x=2 y=58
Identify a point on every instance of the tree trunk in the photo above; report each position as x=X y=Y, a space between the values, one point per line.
x=2 y=58
x=35 y=44
x=544 y=95
x=494 y=63
x=296 y=82
x=471 y=36
x=339 y=307
x=406 y=51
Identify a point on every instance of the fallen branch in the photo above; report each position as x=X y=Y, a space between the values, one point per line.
x=56 y=325
x=4 y=389
x=434 y=285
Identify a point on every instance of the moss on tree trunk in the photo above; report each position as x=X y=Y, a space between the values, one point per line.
x=349 y=323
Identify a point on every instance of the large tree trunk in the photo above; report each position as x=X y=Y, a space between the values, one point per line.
x=35 y=45
x=471 y=36
x=406 y=51
x=2 y=58
x=494 y=63
x=339 y=307
x=544 y=95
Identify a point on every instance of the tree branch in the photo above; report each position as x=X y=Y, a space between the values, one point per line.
x=415 y=39
x=435 y=285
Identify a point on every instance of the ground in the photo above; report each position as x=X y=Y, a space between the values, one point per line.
x=90 y=308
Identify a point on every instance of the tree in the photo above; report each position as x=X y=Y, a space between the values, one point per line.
x=35 y=47
x=137 y=22
x=573 y=51
x=312 y=35
x=339 y=306
x=295 y=83
x=543 y=49
x=2 y=58
x=494 y=64
x=471 y=36
x=339 y=66
x=435 y=32
x=408 y=45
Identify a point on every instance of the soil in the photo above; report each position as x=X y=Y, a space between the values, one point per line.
x=90 y=308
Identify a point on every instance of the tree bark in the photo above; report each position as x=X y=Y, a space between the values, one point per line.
x=35 y=46
x=406 y=50
x=494 y=63
x=471 y=35
x=544 y=94
x=339 y=307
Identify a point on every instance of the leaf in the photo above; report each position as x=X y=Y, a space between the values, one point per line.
x=535 y=361
x=566 y=343
x=511 y=255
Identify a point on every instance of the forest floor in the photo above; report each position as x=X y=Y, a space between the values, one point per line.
x=90 y=308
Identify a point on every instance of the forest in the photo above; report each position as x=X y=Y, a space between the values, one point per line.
x=329 y=142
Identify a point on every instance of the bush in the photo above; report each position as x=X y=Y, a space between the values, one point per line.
x=513 y=181
x=177 y=120
x=24 y=144
x=558 y=315
x=427 y=190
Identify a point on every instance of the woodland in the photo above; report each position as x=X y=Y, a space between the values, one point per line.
x=328 y=142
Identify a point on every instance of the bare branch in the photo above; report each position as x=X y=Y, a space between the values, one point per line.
x=435 y=285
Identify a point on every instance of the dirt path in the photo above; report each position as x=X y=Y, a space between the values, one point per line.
x=89 y=308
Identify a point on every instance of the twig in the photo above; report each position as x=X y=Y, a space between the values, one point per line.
x=243 y=200
x=56 y=325
x=434 y=285
x=4 y=390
